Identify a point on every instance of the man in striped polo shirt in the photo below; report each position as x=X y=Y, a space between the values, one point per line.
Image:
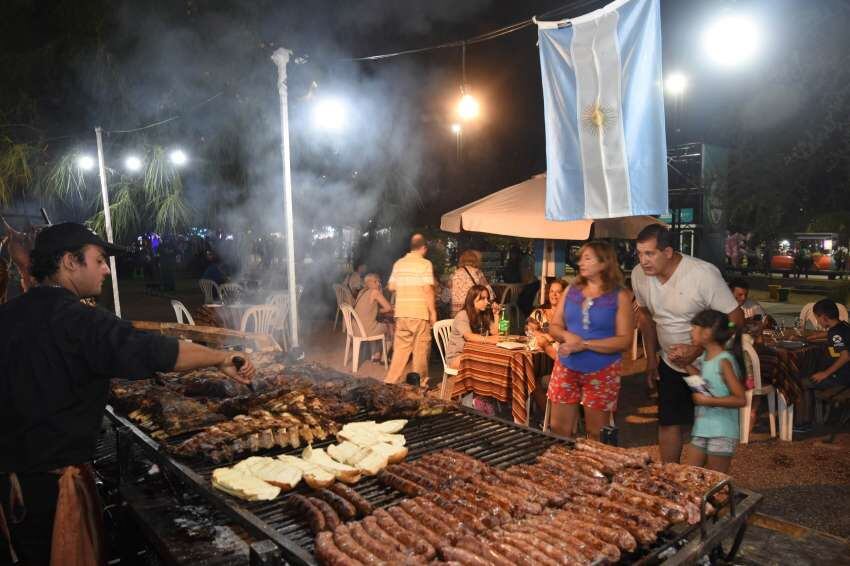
x=412 y=279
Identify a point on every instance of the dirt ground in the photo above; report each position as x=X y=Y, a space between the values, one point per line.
x=806 y=481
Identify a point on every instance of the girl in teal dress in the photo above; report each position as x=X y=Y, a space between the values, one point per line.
x=716 y=432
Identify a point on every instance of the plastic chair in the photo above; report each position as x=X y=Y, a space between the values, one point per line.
x=343 y=297
x=442 y=330
x=510 y=296
x=281 y=301
x=807 y=315
x=211 y=290
x=229 y=291
x=353 y=341
x=765 y=390
x=264 y=318
x=181 y=313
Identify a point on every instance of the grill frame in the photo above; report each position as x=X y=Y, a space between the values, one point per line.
x=496 y=441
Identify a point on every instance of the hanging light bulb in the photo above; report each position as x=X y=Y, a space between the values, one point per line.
x=468 y=107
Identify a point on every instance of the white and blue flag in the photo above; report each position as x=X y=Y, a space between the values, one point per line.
x=606 y=150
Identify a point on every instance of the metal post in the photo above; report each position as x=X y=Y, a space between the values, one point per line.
x=281 y=59
x=107 y=219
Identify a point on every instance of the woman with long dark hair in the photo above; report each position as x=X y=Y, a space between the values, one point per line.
x=476 y=322
x=594 y=323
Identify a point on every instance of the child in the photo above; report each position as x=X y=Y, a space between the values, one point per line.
x=715 y=434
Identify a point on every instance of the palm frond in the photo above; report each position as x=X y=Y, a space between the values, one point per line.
x=124 y=213
x=16 y=170
x=161 y=178
x=172 y=213
x=65 y=180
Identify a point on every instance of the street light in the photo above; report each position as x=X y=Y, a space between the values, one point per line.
x=468 y=108
x=85 y=162
x=133 y=163
x=731 y=40
x=178 y=157
x=676 y=84
x=456 y=128
x=329 y=114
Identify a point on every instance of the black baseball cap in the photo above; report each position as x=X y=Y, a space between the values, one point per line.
x=69 y=236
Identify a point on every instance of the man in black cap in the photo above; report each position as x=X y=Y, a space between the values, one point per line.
x=56 y=359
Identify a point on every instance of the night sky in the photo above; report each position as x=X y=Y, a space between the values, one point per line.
x=71 y=65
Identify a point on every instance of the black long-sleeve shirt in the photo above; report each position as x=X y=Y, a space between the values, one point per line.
x=56 y=359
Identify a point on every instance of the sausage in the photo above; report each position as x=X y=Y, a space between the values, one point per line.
x=413 y=526
x=552 y=497
x=385 y=552
x=455 y=554
x=674 y=512
x=639 y=516
x=361 y=503
x=407 y=538
x=468 y=517
x=374 y=530
x=314 y=515
x=343 y=507
x=561 y=553
x=641 y=534
x=487 y=506
x=346 y=543
x=399 y=483
x=427 y=502
x=421 y=516
x=410 y=475
x=617 y=537
x=604 y=549
x=476 y=545
x=328 y=553
x=532 y=554
x=519 y=501
x=510 y=552
x=331 y=518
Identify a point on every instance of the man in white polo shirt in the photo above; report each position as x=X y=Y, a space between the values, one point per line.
x=670 y=289
x=412 y=279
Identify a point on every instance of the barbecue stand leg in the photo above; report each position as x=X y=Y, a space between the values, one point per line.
x=265 y=553
x=720 y=556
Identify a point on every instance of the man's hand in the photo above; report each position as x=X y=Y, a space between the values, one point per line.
x=819 y=376
x=244 y=374
x=683 y=354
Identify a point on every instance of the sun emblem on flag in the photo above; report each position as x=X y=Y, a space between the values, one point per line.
x=596 y=118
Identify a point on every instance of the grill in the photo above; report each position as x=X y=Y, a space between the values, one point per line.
x=497 y=442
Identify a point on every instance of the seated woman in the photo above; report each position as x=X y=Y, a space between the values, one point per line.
x=546 y=312
x=594 y=323
x=476 y=322
x=369 y=305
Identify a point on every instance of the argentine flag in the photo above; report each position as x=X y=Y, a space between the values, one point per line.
x=606 y=151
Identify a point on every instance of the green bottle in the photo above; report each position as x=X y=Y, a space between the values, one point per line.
x=504 y=323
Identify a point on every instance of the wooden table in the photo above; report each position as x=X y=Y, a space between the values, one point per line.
x=508 y=376
x=787 y=369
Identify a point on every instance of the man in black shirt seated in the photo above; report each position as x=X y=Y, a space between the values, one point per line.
x=837 y=340
x=57 y=356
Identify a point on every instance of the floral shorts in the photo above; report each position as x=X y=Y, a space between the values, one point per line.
x=597 y=390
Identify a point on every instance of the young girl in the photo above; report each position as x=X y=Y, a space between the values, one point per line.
x=715 y=434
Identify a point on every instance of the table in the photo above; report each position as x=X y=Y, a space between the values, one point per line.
x=787 y=369
x=508 y=376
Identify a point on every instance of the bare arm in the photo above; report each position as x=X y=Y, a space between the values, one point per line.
x=194 y=356
x=430 y=302
x=737 y=397
x=383 y=304
x=839 y=363
x=650 y=340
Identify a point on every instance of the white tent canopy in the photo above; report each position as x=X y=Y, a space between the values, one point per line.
x=520 y=211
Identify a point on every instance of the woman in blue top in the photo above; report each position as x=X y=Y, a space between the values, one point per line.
x=715 y=434
x=594 y=322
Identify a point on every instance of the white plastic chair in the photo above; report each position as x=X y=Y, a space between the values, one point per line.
x=211 y=291
x=281 y=301
x=807 y=315
x=229 y=291
x=353 y=341
x=343 y=297
x=764 y=390
x=182 y=313
x=264 y=318
x=442 y=330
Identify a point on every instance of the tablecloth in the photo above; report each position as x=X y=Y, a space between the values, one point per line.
x=787 y=369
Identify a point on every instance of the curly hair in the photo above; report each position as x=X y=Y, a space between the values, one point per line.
x=43 y=265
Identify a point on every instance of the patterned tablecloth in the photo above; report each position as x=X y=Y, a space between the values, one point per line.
x=787 y=369
x=509 y=376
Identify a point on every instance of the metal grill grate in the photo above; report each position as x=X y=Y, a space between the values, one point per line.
x=497 y=442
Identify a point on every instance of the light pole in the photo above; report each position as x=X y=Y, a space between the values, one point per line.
x=281 y=59
x=107 y=219
x=458 y=132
